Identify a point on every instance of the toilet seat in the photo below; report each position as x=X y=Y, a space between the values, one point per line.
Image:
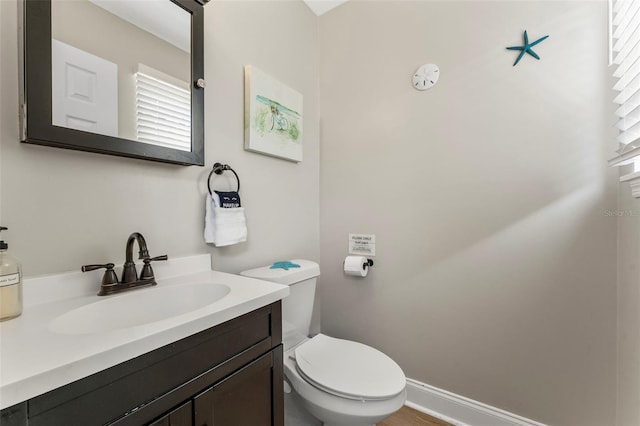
x=348 y=369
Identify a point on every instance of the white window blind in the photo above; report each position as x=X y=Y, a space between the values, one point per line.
x=624 y=39
x=163 y=113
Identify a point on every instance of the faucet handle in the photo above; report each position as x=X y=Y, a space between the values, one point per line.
x=154 y=259
x=109 y=278
x=147 y=271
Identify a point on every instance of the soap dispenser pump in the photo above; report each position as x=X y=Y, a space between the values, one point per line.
x=10 y=283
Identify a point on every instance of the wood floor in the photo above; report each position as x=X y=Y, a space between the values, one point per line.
x=409 y=417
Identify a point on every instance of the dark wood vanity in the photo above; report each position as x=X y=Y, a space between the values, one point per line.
x=227 y=375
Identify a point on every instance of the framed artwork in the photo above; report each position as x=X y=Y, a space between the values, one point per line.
x=272 y=116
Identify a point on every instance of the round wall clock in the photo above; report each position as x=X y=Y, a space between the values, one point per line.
x=426 y=77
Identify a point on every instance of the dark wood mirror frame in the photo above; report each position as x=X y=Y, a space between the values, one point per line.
x=35 y=99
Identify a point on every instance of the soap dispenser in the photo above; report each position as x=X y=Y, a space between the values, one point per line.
x=10 y=283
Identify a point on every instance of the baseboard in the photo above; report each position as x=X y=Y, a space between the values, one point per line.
x=458 y=410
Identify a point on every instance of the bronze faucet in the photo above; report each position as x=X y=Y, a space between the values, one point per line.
x=130 y=280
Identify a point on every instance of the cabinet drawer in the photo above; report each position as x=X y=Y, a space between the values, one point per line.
x=160 y=379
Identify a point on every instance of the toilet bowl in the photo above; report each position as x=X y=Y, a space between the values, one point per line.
x=370 y=391
x=340 y=382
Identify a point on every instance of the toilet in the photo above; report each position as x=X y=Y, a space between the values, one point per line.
x=340 y=382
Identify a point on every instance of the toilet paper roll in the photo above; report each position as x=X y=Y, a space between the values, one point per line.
x=357 y=266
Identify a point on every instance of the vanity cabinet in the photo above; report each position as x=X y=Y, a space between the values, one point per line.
x=228 y=375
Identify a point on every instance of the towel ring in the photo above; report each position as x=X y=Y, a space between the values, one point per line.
x=218 y=168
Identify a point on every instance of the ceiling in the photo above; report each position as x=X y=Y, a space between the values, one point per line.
x=323 y=6
x=161 y=18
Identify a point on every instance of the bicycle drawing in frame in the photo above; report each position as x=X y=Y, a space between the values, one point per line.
x=273 y=116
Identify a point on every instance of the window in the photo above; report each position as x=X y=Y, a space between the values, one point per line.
x=163 y=112
x=624 y=52
x=625 y=56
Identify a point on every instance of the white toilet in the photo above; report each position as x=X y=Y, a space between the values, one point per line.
x=339 y=381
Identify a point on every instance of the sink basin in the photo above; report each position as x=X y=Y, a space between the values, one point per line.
x=138 y=307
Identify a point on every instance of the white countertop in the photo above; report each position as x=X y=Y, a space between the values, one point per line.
x=35 y=360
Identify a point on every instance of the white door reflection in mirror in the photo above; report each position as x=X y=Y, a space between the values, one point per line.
x=85 y=90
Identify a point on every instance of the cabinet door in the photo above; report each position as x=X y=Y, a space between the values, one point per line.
x=162 y=421
x=250 y=396
x=181 y=416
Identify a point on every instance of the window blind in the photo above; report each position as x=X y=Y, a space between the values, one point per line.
x=163 y=113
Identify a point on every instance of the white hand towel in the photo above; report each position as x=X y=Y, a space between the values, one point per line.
x=209 y=221
x=215 y=198
x=230 y=226
x=224 y=226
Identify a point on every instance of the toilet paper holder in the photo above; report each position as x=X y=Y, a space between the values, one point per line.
x=357 y=266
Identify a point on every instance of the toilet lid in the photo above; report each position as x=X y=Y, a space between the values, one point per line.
x=349 y=369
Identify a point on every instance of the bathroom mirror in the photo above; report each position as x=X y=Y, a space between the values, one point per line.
x=116 y=77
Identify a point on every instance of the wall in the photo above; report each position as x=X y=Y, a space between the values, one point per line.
x=5 y=67
x=495 y=274
x=281 y=197
x=628 y=307
x=67 y=208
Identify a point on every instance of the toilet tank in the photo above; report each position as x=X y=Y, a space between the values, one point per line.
x=298 y=306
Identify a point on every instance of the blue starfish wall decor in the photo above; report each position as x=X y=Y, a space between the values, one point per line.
x=526 y=48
